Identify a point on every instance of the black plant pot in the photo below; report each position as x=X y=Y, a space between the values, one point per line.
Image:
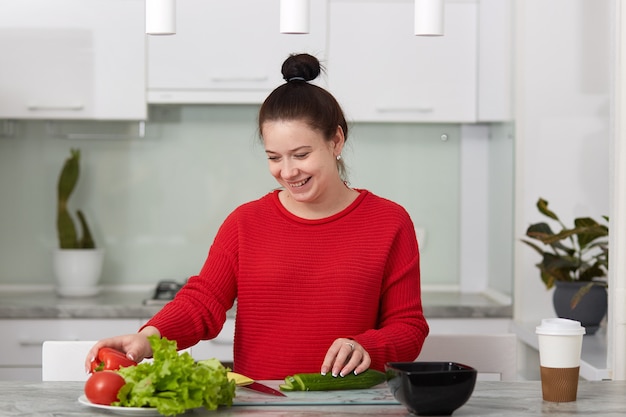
x=590 y=310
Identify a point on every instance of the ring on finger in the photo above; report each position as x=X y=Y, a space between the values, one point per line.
x=351 y=346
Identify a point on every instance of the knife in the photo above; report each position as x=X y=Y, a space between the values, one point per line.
x=245 y=382
x=258 y=387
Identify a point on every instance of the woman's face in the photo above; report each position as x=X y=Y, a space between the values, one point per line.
x=300 y=159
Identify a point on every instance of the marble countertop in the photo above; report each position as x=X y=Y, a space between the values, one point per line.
x=44 y=304
x=122 y=304
x=512 y=399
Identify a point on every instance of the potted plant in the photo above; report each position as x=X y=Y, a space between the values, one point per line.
x=575 y=261
x=77 y=261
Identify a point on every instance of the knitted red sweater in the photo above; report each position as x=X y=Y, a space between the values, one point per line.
x=300 y=284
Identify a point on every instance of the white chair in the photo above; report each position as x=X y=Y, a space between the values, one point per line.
x=64 y=360
x=493 y=355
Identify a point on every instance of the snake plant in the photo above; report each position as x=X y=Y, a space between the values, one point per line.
x=68 y=237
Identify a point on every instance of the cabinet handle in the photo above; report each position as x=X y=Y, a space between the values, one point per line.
x=232 y=79
x=68 y=107
x=418 y=109
x=27 y=343
x=38 y=343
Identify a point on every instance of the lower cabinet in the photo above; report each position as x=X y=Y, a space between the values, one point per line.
x=21 y=344
x=23 y=338
x=487 y=344
x=472 y=326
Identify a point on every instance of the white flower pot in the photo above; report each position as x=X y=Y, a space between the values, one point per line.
x=77 y=271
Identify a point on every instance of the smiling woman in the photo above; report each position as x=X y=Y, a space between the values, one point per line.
x=304 y=131
x=326 y=277
x=302 y=161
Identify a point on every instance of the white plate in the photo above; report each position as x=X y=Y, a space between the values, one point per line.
x=124 y=411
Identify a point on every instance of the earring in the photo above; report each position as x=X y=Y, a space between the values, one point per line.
x=339 y=157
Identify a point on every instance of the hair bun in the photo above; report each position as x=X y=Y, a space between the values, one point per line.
x=302 y=67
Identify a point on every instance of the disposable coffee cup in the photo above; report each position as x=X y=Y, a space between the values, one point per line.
x=560 y=345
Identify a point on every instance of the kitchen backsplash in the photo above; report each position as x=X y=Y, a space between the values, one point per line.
x=156 y=202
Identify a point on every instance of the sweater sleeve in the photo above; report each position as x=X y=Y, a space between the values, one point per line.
x=402 y=328
x=198 y=311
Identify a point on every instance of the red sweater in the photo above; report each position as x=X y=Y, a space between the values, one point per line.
x=300 y=284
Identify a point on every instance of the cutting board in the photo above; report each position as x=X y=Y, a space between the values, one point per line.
x=379 y=395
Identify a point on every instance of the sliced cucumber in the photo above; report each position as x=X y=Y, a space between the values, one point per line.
x=319 y=382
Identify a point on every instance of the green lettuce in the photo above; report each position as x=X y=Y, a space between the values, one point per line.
x=173 y=383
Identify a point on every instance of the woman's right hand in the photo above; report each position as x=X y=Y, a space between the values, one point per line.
x=136 y=346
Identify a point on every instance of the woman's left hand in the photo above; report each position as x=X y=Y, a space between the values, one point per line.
x=345 y=356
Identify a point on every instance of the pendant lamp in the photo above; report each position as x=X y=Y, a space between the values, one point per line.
x=429 y=19
x=294 y=16
x=161 y=17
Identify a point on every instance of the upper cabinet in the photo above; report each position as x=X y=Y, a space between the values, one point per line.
x=72 y=59
x=380 y=71
x=91 y=59
x=227 y=51
x=495 y=61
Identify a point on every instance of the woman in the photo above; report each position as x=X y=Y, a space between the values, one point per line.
x=326 y=277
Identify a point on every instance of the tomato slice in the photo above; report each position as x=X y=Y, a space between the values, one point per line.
x=102 y=387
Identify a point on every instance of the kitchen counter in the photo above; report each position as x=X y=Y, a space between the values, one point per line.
x=45 y=304
x=122 y=304
x=513 y=399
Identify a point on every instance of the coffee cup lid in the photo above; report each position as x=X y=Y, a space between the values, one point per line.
x=558 y=326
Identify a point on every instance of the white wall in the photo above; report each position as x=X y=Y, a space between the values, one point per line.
x=562 y=106
x=617 y=264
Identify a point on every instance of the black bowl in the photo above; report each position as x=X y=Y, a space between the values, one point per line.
x=431 y=388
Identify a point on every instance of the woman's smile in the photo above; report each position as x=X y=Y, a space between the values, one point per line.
x=299 y=183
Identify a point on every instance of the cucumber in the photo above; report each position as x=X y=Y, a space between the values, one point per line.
x=319 y=382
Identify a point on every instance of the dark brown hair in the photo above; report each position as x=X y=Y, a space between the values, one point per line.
x=297 y=99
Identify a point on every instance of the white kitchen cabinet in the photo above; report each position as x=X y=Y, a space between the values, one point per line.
x=227 y=51
x=23 y=339
x=495 y=61
x=380 y=71
x=22 y=343
x=459 y=325
x=72 y=59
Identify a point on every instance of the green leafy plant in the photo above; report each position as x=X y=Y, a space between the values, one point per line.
x=68 y=238
x=578 y=254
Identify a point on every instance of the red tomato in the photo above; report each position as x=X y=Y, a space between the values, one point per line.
x=102 y=387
